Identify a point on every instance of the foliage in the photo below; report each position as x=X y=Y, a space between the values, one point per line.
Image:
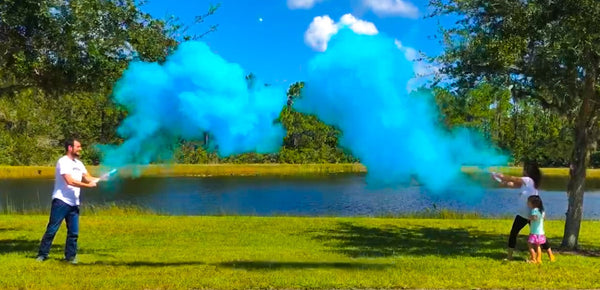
x=308 y=139
x=547 y=51
x=520 y=127
x=59 y=61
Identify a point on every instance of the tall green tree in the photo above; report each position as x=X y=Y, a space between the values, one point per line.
x=308 y=139
x=520 y=127
x=548 y=51
x=78 y=45
x=66 y=55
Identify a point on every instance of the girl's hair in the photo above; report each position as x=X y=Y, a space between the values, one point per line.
x=536 y=201
x=533 y=171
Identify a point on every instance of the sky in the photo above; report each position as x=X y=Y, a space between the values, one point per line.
x=275 y=39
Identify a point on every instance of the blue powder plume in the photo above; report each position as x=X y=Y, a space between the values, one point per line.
x=193 y=92
x=359 y=84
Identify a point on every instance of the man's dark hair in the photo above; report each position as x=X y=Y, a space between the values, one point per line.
x=70 y=142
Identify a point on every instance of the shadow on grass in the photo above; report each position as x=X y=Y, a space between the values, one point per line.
x=31 y=247
x=585 y=252
x=268 y=265
x=7 y=229
x=362 y=241
x=248 y=265
x=143 y=264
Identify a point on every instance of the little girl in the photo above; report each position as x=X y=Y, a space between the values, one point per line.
x=529 y=184
x=537 y=236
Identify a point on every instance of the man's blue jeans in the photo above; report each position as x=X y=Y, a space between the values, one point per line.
x=59 y=211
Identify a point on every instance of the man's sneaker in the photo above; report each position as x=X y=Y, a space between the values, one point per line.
x=72 y=261
x=41 y=258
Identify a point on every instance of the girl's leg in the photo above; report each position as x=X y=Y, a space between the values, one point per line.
x=550 y=255
x=532 y=258
x=539 y=254
x=546 y=246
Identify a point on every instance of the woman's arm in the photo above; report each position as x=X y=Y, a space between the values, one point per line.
x=507 y=180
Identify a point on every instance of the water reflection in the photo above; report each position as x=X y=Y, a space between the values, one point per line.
x=339 y=195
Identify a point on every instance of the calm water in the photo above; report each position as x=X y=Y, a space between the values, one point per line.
x=340 y=195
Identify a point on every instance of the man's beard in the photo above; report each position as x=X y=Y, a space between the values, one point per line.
x=75 y=154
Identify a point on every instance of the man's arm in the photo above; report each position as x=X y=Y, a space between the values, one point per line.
x=87 y=178
x=72 y=182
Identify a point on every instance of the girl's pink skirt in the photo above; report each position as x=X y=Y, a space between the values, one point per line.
x=537 y=239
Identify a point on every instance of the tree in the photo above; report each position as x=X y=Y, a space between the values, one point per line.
x=308 y=139
x=548 y=51
x=79 y=45
x=66 y=55
x=521 y=127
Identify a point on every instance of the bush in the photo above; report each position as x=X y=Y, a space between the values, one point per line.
x=595 y=160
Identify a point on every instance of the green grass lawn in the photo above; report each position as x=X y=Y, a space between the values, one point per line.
x=173 y=252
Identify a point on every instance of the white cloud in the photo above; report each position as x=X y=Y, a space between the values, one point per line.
x=357 y=25
x=322 y=28
x=302 y=4
x=319 y=32
x=392 y=8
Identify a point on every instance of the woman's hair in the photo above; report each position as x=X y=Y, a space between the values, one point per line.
x=532 y=171
x=536 y=201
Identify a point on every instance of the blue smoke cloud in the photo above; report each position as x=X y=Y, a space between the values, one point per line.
x=193 y=92
x=360 y=86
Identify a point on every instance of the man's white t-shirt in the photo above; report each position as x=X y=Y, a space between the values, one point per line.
x=527 y=189
x=67 y=193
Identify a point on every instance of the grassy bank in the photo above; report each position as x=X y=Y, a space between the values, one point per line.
x=120 y=209
x=549 y=172
x=167 y=252
x=247 y=169
x=195 y=170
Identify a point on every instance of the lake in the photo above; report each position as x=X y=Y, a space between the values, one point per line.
x=325 y=195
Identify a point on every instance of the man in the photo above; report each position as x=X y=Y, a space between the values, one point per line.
x=69 y=177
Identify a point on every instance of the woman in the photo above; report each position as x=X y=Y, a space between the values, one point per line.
x=529 y=184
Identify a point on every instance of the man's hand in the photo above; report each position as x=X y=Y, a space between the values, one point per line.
x=87 y=178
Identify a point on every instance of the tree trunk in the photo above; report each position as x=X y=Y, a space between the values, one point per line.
x=584 y=126
x=575 y=189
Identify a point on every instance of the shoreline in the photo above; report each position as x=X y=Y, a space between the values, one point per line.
x=198 y=170
x=266 y=169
